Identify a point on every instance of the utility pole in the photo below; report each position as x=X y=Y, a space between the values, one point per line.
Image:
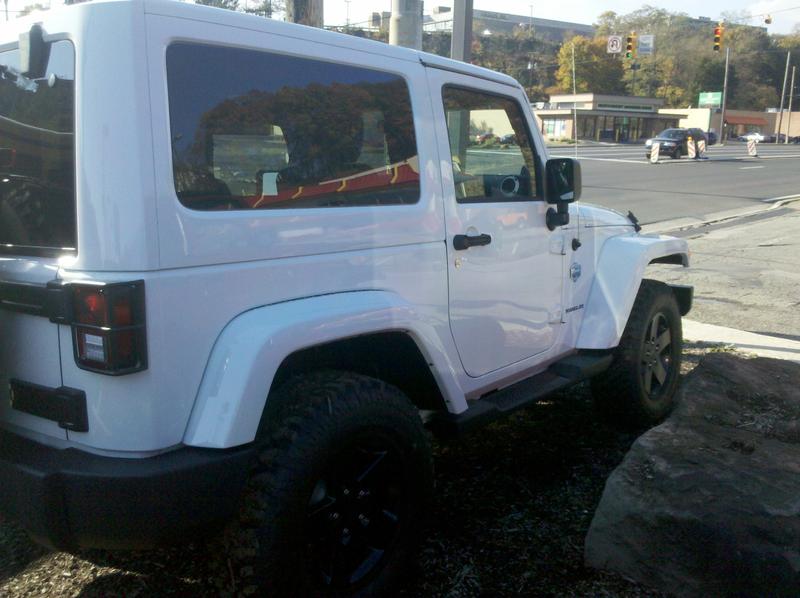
x=724 y=97
x=305 y=12
x=461 y=41
x=574 y=102
x=791 y=96
x=405 y=25
x=783 y=96
x=530 y=56
x=6 y=2
x=531 y=22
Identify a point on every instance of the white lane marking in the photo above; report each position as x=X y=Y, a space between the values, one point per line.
x=602 y=159
x=749 y=167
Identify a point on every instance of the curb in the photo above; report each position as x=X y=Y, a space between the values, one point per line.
x=762 y=345
x=716 y=220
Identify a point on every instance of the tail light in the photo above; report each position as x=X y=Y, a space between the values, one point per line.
x=108 y=327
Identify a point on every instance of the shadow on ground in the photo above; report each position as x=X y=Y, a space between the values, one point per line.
x=511 y=510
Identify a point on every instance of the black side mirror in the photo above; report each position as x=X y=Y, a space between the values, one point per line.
x=34 y=53
x=562 y=187
x=562 y=180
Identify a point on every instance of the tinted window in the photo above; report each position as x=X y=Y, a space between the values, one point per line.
x=491 y=150
x=672 y=134
x=37 y=155
x=256 y=130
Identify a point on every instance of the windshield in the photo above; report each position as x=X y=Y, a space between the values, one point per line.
x=37 y=155
x=671 y=134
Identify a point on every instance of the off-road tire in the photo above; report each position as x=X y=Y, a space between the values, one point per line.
x=621 y=393
x=269 y=548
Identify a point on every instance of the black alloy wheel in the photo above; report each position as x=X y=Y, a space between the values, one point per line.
x=355 y=512
x=639 y=387
x=336 y=503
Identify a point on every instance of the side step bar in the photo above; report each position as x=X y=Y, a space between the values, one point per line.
x=491 y=406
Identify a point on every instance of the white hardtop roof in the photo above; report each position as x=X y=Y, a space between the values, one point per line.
x=256 y=23
x=197 y=12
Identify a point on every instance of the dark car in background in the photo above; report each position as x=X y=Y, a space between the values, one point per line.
x=673 y=142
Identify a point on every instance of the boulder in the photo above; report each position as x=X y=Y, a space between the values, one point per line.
x=708 y=503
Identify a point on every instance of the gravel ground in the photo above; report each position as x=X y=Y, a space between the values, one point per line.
x=512 y=507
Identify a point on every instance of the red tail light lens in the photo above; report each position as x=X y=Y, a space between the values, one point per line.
x=108 y=323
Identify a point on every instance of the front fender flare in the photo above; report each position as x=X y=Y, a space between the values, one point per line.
x=248 y=352
x=618 y=275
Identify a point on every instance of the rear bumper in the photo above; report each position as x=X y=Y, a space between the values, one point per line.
x=69 y=499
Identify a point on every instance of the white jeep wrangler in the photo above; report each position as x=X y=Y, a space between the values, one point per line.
x=244 y=264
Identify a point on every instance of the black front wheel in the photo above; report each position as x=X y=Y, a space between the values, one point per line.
x=639 y=387
x=335 y=505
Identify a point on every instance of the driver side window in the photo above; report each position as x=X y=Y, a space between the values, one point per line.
x=490 y=147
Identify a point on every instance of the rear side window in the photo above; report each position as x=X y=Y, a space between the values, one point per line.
x=37 y=155
x=258 y=130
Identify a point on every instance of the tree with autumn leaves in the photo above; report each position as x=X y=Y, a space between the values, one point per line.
x=684 y=63
x=595 y=69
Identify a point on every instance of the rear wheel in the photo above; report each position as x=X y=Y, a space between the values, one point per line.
x=639 y=387
x=336 y=504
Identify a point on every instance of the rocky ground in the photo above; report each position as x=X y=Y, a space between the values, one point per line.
x=512 y=507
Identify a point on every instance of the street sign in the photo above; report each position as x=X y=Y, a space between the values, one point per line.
x=709 y=99
x=646 y=45
x=614 y=45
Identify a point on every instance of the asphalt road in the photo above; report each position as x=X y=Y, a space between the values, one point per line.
x=678 y=192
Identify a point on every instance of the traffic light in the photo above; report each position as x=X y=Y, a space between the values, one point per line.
x=630 y=45
x=718 y=31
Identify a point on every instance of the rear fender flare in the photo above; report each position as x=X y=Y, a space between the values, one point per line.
x=248 y=352
x=618 y=275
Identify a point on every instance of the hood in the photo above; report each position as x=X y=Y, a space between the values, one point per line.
x=662 y=140
x=594 y=216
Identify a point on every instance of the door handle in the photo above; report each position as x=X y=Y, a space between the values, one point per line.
x=461 y=242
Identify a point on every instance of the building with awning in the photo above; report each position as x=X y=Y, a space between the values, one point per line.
x=756 y=121
x=602 y=117
x=738 y=122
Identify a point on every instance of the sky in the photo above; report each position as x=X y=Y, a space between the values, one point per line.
x=785 y=13
x=586 y=11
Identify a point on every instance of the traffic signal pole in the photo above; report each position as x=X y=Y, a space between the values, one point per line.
x=724 y=97
x=783 y=97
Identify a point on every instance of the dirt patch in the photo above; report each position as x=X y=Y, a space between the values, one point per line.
x=512 y=507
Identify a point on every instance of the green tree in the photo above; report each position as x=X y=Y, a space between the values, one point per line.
x=595 y=69
x=511 y=54
x=608 y=23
